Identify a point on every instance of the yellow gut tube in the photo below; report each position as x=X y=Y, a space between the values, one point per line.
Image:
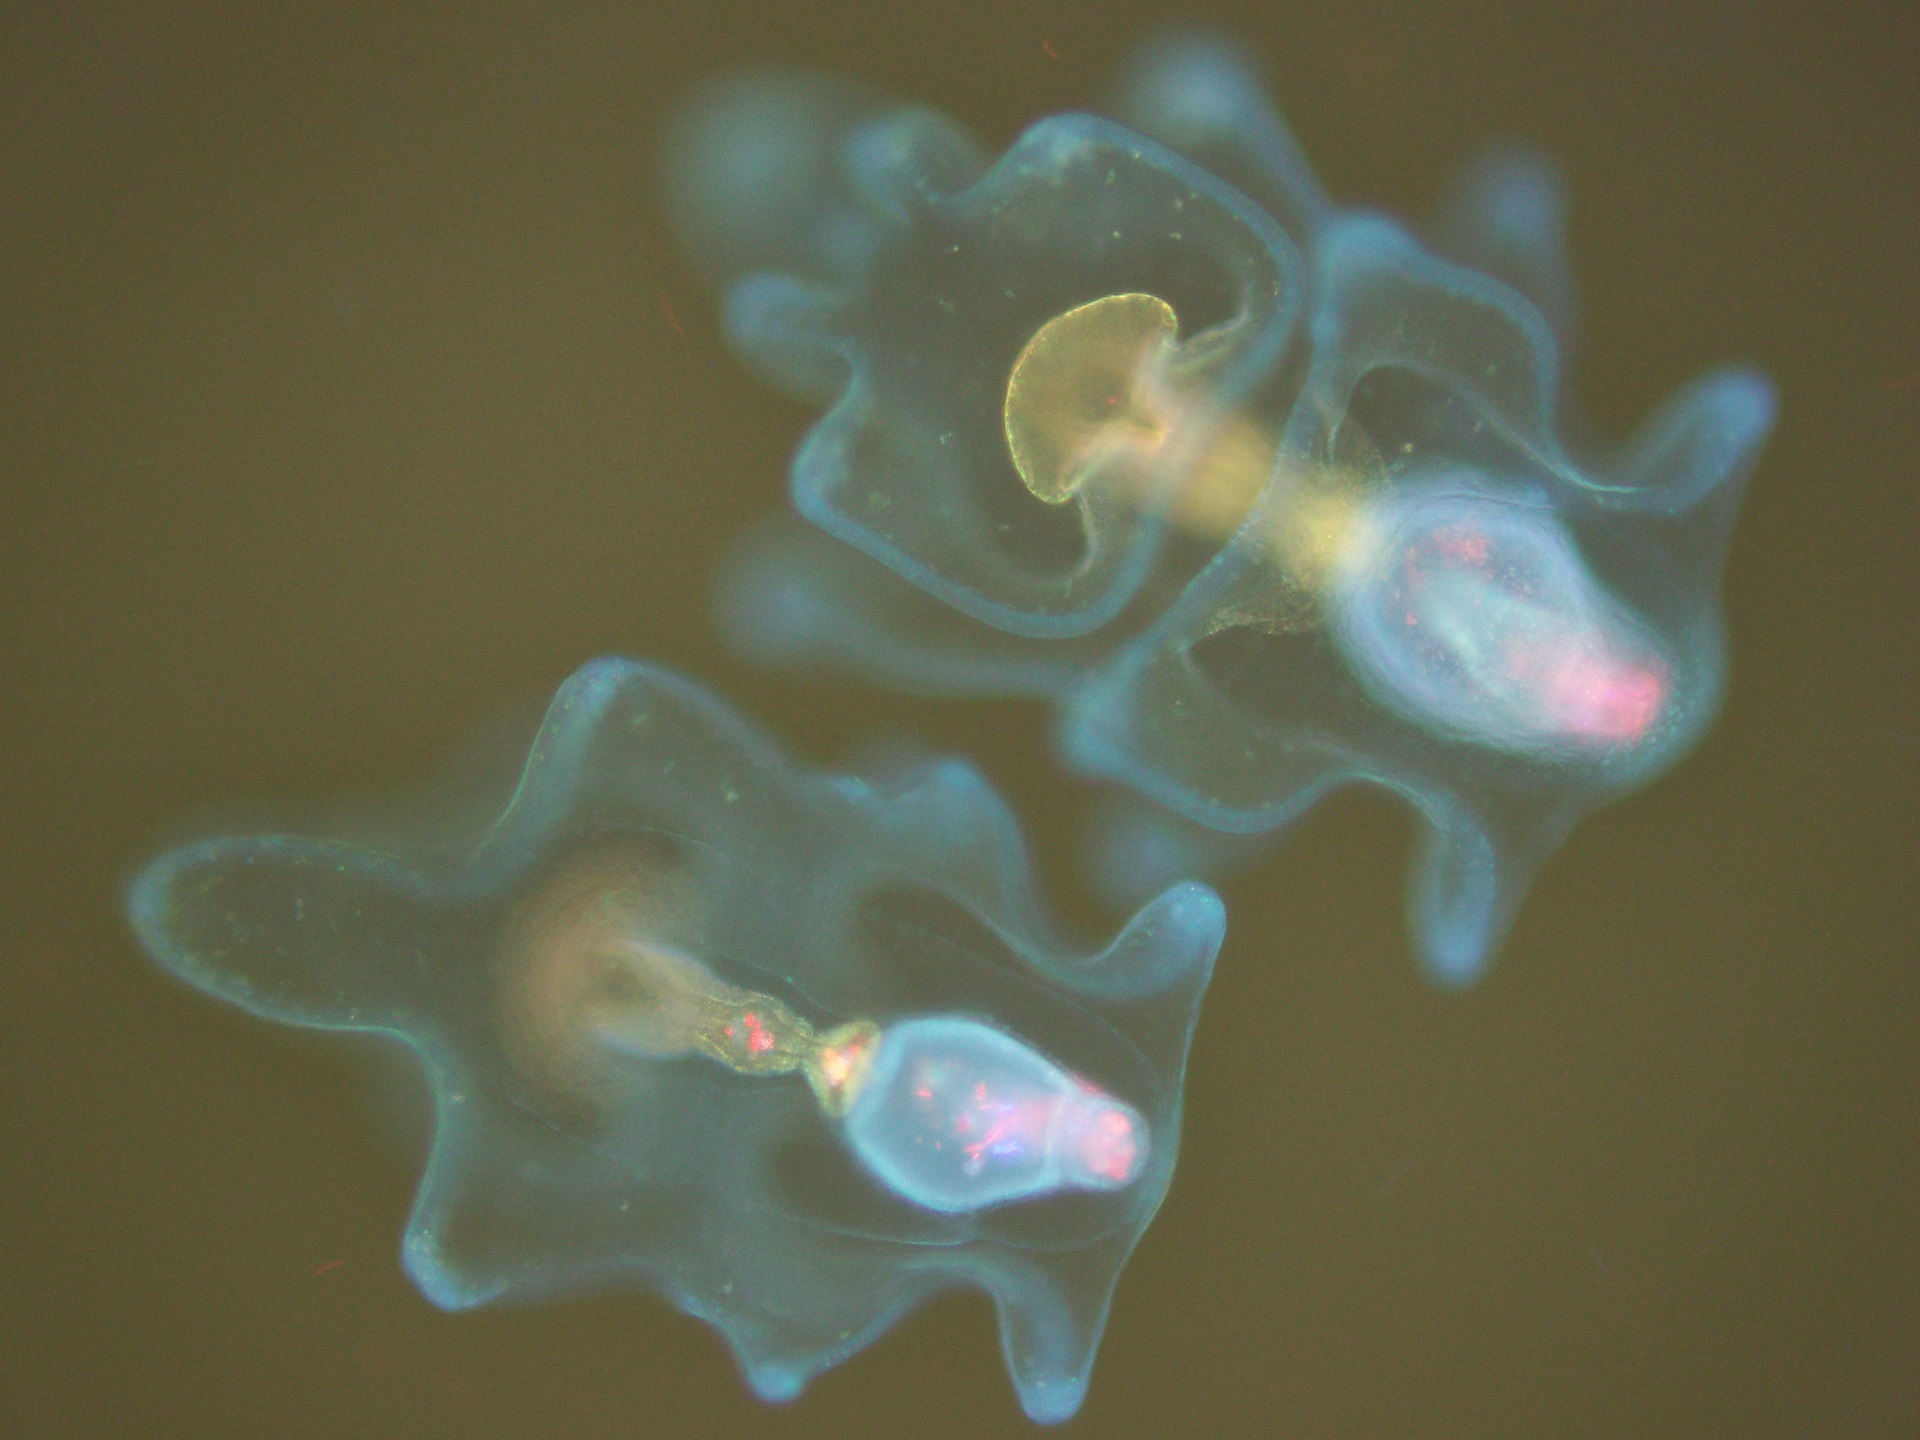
x=1095 y=398
x=588 y=976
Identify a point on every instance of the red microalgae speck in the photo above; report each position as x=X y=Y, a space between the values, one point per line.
x=1111 y=1151
x=759 y=1038
x=1002 y=1127
x=1468 y=546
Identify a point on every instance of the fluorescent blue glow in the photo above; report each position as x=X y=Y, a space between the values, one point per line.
x=958 y=1115
x=601 y=987
x=1425 y=587
x=900 y=285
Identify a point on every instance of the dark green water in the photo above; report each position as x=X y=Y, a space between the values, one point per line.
x=353 y=394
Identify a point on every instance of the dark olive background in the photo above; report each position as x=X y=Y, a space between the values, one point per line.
x=353 y=394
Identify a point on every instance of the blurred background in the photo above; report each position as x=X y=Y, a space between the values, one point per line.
x=352 y=394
